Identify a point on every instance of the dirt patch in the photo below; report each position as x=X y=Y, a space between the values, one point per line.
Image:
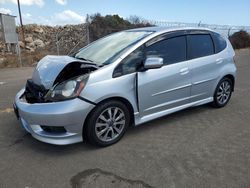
x=93 y=178
x=19 y=140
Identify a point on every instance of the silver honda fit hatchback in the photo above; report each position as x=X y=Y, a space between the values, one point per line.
x=123 y=79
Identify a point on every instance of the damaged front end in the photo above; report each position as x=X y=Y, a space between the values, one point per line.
x=57 y=78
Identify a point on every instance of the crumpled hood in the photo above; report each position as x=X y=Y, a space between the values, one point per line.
x=48 y=69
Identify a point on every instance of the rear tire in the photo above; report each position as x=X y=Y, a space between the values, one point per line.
x=223 y=93
x=107 y=123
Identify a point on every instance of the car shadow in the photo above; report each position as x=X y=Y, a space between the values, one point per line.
x=170 y=119
x=43 y=148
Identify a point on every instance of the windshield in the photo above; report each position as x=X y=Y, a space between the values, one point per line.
x=105 y=49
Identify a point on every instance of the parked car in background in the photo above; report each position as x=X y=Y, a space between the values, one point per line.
x=126 y=78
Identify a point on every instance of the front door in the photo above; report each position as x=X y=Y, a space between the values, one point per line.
x=169 y=86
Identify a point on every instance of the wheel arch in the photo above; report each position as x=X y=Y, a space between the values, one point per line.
x=121 y=99
x=232 y=78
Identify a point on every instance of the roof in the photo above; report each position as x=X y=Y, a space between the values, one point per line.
x=168 y=29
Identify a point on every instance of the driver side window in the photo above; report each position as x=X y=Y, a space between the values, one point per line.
x=172 y=50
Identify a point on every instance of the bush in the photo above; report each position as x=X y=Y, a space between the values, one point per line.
x=101 y=26
x=240 y=39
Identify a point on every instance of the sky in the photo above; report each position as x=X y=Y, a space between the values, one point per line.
x=61 y=12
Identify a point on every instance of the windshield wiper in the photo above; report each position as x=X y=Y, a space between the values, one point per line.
x=84 y=59
x=89 y=61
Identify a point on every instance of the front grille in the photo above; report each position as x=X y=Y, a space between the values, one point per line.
x=51 y=129
x=34 y=93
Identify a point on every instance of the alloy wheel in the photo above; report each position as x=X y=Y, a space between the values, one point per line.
x=110 y=124
x=224 y=92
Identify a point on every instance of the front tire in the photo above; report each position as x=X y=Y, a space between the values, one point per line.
x=107 y=123
x=223 y=93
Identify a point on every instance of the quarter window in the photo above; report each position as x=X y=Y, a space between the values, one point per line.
x=172 y=50
x=220 y=43
x=200 y=45
x=131 y=63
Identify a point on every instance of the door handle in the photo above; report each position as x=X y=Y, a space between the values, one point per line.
x=184 y=71
x=219 y=60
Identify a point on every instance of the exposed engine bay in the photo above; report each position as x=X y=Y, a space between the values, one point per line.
x=35 y=92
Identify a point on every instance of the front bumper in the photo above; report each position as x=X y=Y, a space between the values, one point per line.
x=69 y=114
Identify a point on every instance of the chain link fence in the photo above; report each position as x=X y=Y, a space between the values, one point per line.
x=226 y=30
x=68 y=41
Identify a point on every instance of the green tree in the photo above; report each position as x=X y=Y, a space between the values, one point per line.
x=103 y=25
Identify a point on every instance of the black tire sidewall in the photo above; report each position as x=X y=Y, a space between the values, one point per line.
x=216 y=103
x=90 y=126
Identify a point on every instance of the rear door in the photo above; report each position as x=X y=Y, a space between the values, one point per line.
x=203 y=65
x=169 y=86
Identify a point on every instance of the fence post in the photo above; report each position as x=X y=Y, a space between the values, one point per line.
x=87 y=32
x=58 y=41
x=228 y=33
x=57 y=45
x=19 y=52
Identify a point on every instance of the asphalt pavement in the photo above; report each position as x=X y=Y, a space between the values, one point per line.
x=197 y=147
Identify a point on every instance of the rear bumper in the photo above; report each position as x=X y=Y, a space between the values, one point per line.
x=69 y=114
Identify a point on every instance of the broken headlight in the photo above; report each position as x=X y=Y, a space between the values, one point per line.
x=68 y=89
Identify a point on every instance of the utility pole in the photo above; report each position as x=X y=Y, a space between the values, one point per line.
x=21 y=22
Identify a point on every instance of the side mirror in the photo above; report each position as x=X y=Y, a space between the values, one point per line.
x=153 y=63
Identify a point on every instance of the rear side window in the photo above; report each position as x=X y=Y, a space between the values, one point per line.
x=172 y=50
x=219 y=42
x=200 y=45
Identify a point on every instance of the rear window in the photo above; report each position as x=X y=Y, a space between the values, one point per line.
x=200 y=45
x=219 y=42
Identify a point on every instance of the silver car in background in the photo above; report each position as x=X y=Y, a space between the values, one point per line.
x=126 y=78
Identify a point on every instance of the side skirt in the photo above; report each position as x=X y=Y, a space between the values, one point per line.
x=139 y=120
